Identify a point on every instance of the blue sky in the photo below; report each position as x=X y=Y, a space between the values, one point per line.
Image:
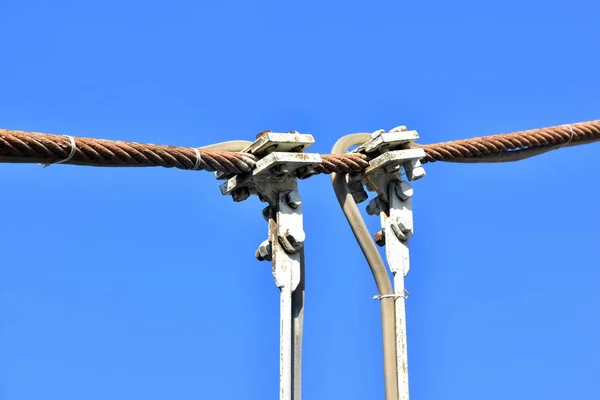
x=137 y=283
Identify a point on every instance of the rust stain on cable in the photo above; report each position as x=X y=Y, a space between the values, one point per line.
x=29 y=147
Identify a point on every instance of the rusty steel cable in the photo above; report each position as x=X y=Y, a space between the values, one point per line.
x=28 y=147
x=513 y=146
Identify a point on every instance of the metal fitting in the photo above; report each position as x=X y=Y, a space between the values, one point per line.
x=404 y=190
x=240 y=194
x=279 y=171
x=260 y=134
x=293 y=199
x=360 y=196
x=377 y=133
x=402 y=229
x=357 y=190
x=264 y=251
x=379 y=238
x=414 y=170
x=292 y=242
x=305 y=172
x=267 y=213
x=375 y=206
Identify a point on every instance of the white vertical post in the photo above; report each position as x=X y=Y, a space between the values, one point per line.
x=274 y=180
x=287 y=238
x=285 y=343
x=398 y=228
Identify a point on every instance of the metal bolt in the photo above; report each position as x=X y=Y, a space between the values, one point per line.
x=279 y=171
x=414 y=170
x=240 y=194
x=305 y=172
x=355 y=186
x=267 y=213
x=401 y=128
x=360 y=196
x=293 y=199
x=402 y=229
x=258 y=135
x=264 y=251
x=292 y=241
x=295 y=239
x=374 y=207
x=377 y=133
x=357 y=191
x=380 y=238
x=404 y=190
x=392 y=168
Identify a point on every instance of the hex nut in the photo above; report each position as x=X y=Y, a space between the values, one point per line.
x=404 y=190
x=264 y=251
x=374 y=207
x=240 y=194
x=380 y=238
x=293 y=199
x=360 y=196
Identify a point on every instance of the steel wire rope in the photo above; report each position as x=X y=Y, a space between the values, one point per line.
x=31 y=147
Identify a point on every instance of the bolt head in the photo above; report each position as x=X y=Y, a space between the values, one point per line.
x=240 y=194
x=404 y=190
x=374 y=206
x=292 y=241
x=293 y=199
x=305 y=172
x=360 y=196
x=267 y=213
x=401 y=128
x=258 y=135
x=414 y=170
x=279 y=170
x=379 y=238
x=296 y=239
x=377 y=133
x=264 y=251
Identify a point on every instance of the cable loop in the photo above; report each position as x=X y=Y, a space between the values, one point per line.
x=71 y=153
x=405 y=295
x=198 y=159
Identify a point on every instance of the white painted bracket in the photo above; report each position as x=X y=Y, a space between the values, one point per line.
x=391 y=140
x=274 y=180
x=271 y=174
x=381 y=168
x=394 y=205
x=270 y=142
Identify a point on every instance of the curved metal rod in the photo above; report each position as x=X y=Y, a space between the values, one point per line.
x=378 y=269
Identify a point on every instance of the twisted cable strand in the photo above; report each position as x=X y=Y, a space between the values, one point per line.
x=513 y=146
x=28 y=147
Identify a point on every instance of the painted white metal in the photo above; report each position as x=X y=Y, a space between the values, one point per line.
x=287 y=238
x=398 y=228
x=274 y=180
x=394 y=205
